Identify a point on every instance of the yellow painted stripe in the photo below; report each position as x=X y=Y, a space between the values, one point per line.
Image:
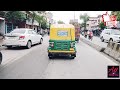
x=61 y=51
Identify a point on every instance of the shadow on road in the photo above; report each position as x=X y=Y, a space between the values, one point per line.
x=61 y=58
x=20 y=48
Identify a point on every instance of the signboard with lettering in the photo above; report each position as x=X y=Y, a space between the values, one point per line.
x=108 y=20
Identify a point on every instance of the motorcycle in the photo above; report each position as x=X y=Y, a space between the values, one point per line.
x=90 y=37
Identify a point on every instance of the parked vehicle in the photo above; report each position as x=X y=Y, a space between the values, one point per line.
x=22 y=37
x=112 y=35
x=62 y=41
x=1 y=41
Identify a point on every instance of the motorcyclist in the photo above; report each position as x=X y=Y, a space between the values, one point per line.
x=90 y=35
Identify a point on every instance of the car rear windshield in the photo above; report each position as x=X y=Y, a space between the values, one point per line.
x=18 y=31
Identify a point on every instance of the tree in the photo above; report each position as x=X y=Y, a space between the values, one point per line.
x=33 y=17
x=44 y=24
x=85 y=18
x=41 y=12
x=2 y=14
x=117 y=13
x=39 y=19
x=102 y=25
x=60 y=22
x=15 y=16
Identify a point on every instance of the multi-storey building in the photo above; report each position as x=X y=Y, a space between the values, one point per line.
x=93 y=23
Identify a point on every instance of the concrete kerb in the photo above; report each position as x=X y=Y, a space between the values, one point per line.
x=113 y=50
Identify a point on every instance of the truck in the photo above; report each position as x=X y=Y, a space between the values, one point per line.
x=77 y=33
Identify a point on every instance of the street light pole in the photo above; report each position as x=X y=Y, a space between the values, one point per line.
x=74 y=15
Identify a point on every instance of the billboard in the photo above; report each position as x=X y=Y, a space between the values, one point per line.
x=109 y=20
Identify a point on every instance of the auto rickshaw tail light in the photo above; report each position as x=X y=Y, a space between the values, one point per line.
x=51 y=44
x=72 y=44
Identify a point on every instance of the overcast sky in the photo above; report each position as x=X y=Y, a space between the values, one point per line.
x=65 y=16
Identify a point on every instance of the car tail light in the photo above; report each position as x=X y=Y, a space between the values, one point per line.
x=21 y=37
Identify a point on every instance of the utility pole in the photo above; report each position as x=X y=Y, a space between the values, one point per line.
x=74 y=15
x=74 y=18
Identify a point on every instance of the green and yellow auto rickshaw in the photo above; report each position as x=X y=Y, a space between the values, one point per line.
x=62 y=40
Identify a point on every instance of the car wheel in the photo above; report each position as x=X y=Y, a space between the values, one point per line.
x=72 y=57
x=51 y=57
x=29 y=44
x=0 y=57
x=41 y=40
x=102 y=39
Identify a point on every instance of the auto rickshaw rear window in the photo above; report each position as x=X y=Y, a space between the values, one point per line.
x=62 y=33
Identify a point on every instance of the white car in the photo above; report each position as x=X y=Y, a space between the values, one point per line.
x=22 y=37
x=110 y=35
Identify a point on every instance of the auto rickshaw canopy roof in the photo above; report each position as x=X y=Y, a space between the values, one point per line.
x=62 y=32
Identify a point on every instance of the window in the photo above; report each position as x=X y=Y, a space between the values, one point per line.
x=30 y=32
x=116 y=32
x=18 y=31
x=34 y=32
x=107 y=32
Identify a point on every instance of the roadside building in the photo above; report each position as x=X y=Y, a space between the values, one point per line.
x=93 y=23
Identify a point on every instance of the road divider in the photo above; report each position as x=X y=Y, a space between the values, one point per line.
x=113 y=50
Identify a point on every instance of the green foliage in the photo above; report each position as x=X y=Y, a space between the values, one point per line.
x=60 y=22
x=102 y=26
x=42 y=21
x=2 y=14
x=44 y=24
x=117 y=13
x=85 y=18
x=15 y=16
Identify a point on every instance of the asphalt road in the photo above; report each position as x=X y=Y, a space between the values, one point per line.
x=89 y=64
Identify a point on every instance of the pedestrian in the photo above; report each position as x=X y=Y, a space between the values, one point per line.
x=90 y=35
x=85 y=34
